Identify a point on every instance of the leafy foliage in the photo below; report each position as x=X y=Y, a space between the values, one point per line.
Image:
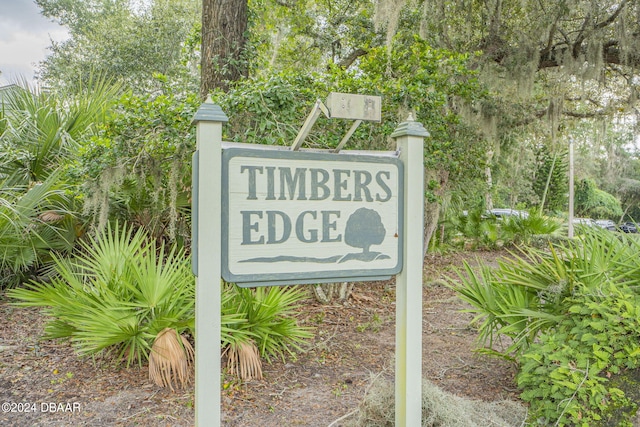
x=317 y=34
x=270 y=110
x=415 y=77
x=132 y=42
x=593 y=202
x=136 y=168
x=565 y=375
x=571 y=316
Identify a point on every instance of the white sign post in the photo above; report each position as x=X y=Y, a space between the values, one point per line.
x=409 y=139
x=206 y=234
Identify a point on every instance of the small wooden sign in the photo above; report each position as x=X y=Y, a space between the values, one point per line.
x=295 y=217
x=354 y=107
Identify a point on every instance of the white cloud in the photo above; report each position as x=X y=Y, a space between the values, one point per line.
x=25 y=36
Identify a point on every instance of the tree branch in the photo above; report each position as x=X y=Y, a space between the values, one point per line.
x=577 y=44
x=613 y=16
x=611 y=54
x=552 y=32
x=584 y=32
x=578 y=115
x=536 y=115
x=551 y=54
x=347 y=61
x=284 y=3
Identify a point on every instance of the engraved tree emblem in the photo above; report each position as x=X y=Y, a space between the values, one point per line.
x=364 y=229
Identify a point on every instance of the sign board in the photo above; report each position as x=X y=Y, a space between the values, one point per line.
x=294 y=217
x=354 y=107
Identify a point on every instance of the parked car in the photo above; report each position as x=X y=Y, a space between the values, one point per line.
x=607 y=224
x=502 y=213
x=585 y=221
x=628 y=227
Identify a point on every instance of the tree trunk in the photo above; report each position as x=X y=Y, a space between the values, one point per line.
x=488 y=198
x=224 y=27
x=432 y=208
x=325 y=293
x=431 y=217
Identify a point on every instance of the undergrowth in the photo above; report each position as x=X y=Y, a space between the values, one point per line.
x=439 y=409
x=572 y=315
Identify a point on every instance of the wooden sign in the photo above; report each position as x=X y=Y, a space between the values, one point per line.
x=294 y=217
x=305 y=217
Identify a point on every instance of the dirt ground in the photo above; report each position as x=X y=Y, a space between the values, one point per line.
x=43 y=383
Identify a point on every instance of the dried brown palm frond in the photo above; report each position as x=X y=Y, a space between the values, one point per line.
x=170 y=359
x=50 y=216
x=243 y=360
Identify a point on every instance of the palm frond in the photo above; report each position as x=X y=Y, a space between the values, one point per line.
x=532 y=291
x=25 y=239
x=43 y=128
x=243 y=360
x=171 y=359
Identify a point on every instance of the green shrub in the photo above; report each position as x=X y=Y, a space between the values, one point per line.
x=571 y=314
x=122 y=290
x=595 y=203
x=137 y=167
x=117 y=295
x=565 y=376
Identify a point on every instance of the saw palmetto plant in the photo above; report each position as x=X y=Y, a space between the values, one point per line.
x=32 y=222
x=531 y=291
x=126 y=295
x=116 y=296
x=269 y=327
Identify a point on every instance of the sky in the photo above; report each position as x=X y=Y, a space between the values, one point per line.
x=24 y=38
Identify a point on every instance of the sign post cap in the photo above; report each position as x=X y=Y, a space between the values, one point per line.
x=410 y=128
x=210 y=112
